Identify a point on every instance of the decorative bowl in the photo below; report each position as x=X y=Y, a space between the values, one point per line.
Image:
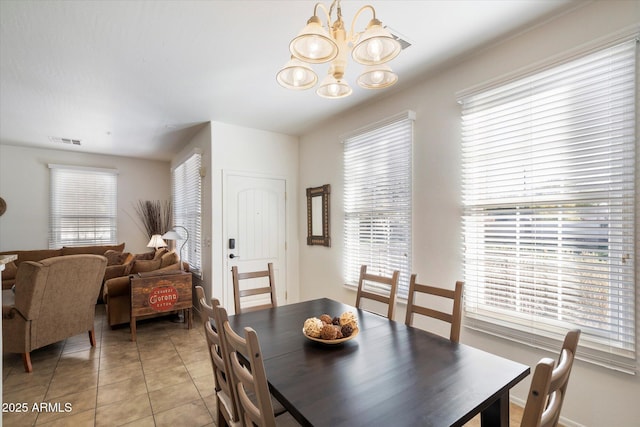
x=332 y=342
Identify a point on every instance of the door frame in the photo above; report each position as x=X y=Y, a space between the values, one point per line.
x=227 y=294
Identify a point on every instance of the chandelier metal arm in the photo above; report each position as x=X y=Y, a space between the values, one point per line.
x=352 y=34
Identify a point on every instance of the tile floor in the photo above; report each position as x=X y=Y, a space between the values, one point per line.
x=163 y=379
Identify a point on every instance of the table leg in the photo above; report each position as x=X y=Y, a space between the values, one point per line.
x=497 y=414
x=132 y=325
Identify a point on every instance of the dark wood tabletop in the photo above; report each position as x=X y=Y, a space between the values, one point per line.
x=389 y=374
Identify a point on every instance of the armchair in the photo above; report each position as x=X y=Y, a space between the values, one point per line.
x=54 y=299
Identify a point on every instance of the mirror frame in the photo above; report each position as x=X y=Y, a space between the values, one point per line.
x=324 y=192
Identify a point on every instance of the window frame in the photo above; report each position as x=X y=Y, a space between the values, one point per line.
x=186 y=185
x=358 y=247
x=82 y=200
x=479 y=110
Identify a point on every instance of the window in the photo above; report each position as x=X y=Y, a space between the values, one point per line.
x=377 y=200
x=548 y=192
x=83 y=206
x=187 y=209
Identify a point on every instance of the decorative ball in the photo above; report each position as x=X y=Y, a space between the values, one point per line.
x=346 y=331
x=312 y=327
x=326 y=319
x=349 y=318
x=328 y=332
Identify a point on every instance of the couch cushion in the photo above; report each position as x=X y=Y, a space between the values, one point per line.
x=35 y=255
x=168 y=259
x=160 y=252
x=145 y=255
x=10 y=270
x=142 y=265
x=116 y=258
x=95 y=250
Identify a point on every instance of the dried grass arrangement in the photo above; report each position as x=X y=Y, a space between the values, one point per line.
x=156 y=215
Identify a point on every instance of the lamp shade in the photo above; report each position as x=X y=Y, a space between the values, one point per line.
x=297 y=75
x=156 y=242
x=334 y=88
x=377 y=77
x=174 y=235
x=376 y=45
x=314 y=44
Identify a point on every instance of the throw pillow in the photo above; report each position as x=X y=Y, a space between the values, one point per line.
x=145 y=256
x=168 y=259
x=115 y=258
x=160 y=252
x=142 y=266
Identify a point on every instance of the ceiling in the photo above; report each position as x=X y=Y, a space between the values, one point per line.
x=139 y=78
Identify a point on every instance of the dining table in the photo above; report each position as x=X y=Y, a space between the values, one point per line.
x=390 y=374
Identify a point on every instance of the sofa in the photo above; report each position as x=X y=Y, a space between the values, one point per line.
x=116 y=292
x=117 y=259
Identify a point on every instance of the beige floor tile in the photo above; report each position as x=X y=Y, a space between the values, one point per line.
x=62 y=385
x=70 y=406
x=165 y=377
x=124 y=412
x=120 y=373
x=75 y=419
x=193 y=413
x=199 y=368
x=18 y=419
x=205 y=384
x=172 y=396
x=142 y=422
x=123 y=390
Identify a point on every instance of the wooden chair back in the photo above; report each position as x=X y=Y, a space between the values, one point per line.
x=250 y=378
x=240 y=295
x=365 y=293
x=227 y=408
x=549 y=386
x=205 y=308
x=454 y=317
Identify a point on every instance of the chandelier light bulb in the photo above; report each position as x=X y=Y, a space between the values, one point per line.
x=374 y=49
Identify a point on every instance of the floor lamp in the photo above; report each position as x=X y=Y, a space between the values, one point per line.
x=174 y=235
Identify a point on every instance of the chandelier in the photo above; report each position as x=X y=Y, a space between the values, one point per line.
x=317 y=44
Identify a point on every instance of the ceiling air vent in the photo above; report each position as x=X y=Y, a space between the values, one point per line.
x=59 y=140
x=404 y=43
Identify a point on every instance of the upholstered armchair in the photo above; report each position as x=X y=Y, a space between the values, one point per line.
x=55 y=299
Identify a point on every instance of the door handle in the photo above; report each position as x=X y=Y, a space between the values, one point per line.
x=232 y=256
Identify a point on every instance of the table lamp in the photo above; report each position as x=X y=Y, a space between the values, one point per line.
x=156 y=242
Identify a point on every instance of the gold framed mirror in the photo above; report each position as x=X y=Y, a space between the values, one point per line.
x=318 y=215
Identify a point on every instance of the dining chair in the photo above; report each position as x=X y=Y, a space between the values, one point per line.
x=206 y=309
x=374 y=287
x=226 y=403
x=255 y=403
x=455 y=295
x=241 y=295
x=549 y=386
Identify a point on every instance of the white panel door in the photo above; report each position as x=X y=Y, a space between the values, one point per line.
x=254 y=224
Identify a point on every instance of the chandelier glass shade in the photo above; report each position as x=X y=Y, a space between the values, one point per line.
x=316 y=44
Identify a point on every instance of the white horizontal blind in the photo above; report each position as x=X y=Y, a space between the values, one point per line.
x=187 y=209
x=83 y=206
x=549 y=202
x=377 y=201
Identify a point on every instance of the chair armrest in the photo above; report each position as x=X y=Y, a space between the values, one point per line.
x=117 y=286
x=113 y=271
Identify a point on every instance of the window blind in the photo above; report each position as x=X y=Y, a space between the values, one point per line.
x=83 y=206
x=187 y=209
x=377 y=200
x=548 y=169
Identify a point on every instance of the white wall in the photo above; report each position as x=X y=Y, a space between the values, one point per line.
x=597 y=396
x=233 y=148
x=24 y=184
